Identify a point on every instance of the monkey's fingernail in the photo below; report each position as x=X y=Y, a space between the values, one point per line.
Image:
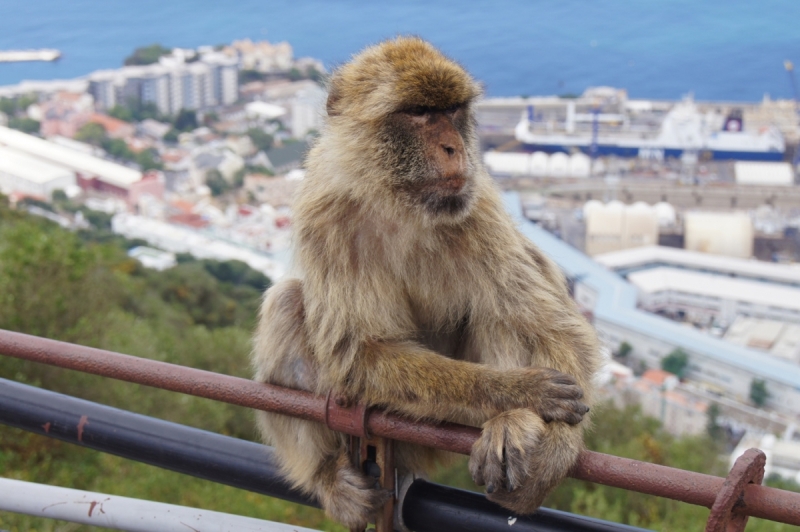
x=490 y=489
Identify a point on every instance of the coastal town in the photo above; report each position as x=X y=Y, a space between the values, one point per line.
x=677 y=223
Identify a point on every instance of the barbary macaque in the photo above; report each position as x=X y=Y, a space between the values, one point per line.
x=414 y=292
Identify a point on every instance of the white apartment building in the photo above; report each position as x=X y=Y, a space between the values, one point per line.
x=171 y=84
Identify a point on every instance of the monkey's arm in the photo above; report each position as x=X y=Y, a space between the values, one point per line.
x=415 y=381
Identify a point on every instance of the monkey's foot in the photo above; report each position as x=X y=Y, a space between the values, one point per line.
x=351 y=497
x=517 y=462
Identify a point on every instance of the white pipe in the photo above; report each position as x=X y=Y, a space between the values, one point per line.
x=123 y=513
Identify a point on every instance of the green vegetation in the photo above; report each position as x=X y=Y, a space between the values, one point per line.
x=713 y=428
x=676 y=362
x=295 y=74
x=758 y=392
x=147 y=55
x=248 y=76
x=260 y=138
x=171 y=136
x=69 y=287
x=631 y=434
x=26 y=125
x=83 y=288
x=185 y=120
x=17 y=105
x=624 y=350
x=95 y=134
x=136 y=111
x=217 y=182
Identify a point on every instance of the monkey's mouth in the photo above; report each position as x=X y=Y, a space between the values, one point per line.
x=447 y=185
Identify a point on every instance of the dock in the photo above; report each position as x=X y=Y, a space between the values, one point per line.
x=17 y=56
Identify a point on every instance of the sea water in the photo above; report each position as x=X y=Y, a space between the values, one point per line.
x=715 y=49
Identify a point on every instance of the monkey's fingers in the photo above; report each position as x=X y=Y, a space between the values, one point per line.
x=570 y=412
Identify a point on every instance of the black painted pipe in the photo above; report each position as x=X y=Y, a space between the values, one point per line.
x=429 y=507
x=199 y=453
x=247 y=465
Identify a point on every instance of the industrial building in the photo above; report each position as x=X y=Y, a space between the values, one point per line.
x=176 y=239
x=615 y=226
x=707 y=298
x=631 y=260
x=720 y=233
x=92 y=173
x=538 y=164
x=27 y=175
x=612 y=304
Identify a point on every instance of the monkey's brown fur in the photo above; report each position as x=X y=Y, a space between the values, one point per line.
x=415 y=292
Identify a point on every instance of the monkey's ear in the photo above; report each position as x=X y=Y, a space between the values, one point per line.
x=333 y=98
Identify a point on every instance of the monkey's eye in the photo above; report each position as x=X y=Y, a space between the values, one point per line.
x=418 y=110
x=452 y=110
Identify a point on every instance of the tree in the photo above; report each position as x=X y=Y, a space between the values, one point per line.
x=26 y=125
x=148 y=160
x=147 y=55
x=624 y=350
x=92 y=133
x=676 y=362
x=121 y=112
x=261 y=139
x=247 y=76
x=216 y=182
x=713 y=427
x=171 y=136
x=118 y=148
x=758 y=392
x=186 y=120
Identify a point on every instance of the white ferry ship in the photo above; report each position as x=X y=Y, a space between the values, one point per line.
x=684 y=130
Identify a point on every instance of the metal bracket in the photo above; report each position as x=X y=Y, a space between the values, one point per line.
x=725 y=515
x=372 y=456
x=343 y=417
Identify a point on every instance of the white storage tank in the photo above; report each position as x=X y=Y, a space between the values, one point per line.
x=720 y=233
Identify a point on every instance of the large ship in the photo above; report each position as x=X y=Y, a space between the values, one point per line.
x=683 y=132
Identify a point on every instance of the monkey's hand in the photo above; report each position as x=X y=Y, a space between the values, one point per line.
x=521 y=459
x=555 y=396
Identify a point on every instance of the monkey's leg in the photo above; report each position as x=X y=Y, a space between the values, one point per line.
x=312 y=457
x=520 y=458
x=315 y=460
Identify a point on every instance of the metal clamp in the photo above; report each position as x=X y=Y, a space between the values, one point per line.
x=343 y=417
x=725 y=515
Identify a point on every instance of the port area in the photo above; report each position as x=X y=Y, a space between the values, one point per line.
x=20 y=56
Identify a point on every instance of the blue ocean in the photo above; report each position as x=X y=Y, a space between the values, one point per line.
x=715 y=49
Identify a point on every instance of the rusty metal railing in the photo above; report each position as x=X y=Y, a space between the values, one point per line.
x=731 y=500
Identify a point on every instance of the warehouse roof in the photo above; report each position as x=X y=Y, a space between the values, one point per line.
x=22 y=165
x=87 y=164
x=649 y=256
x=664 y=279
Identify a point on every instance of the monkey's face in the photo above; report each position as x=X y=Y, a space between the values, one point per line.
x=428 y=158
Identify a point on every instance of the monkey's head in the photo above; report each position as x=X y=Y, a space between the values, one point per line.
x=414 y=106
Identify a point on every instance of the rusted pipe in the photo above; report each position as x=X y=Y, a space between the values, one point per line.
x=651 y=479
